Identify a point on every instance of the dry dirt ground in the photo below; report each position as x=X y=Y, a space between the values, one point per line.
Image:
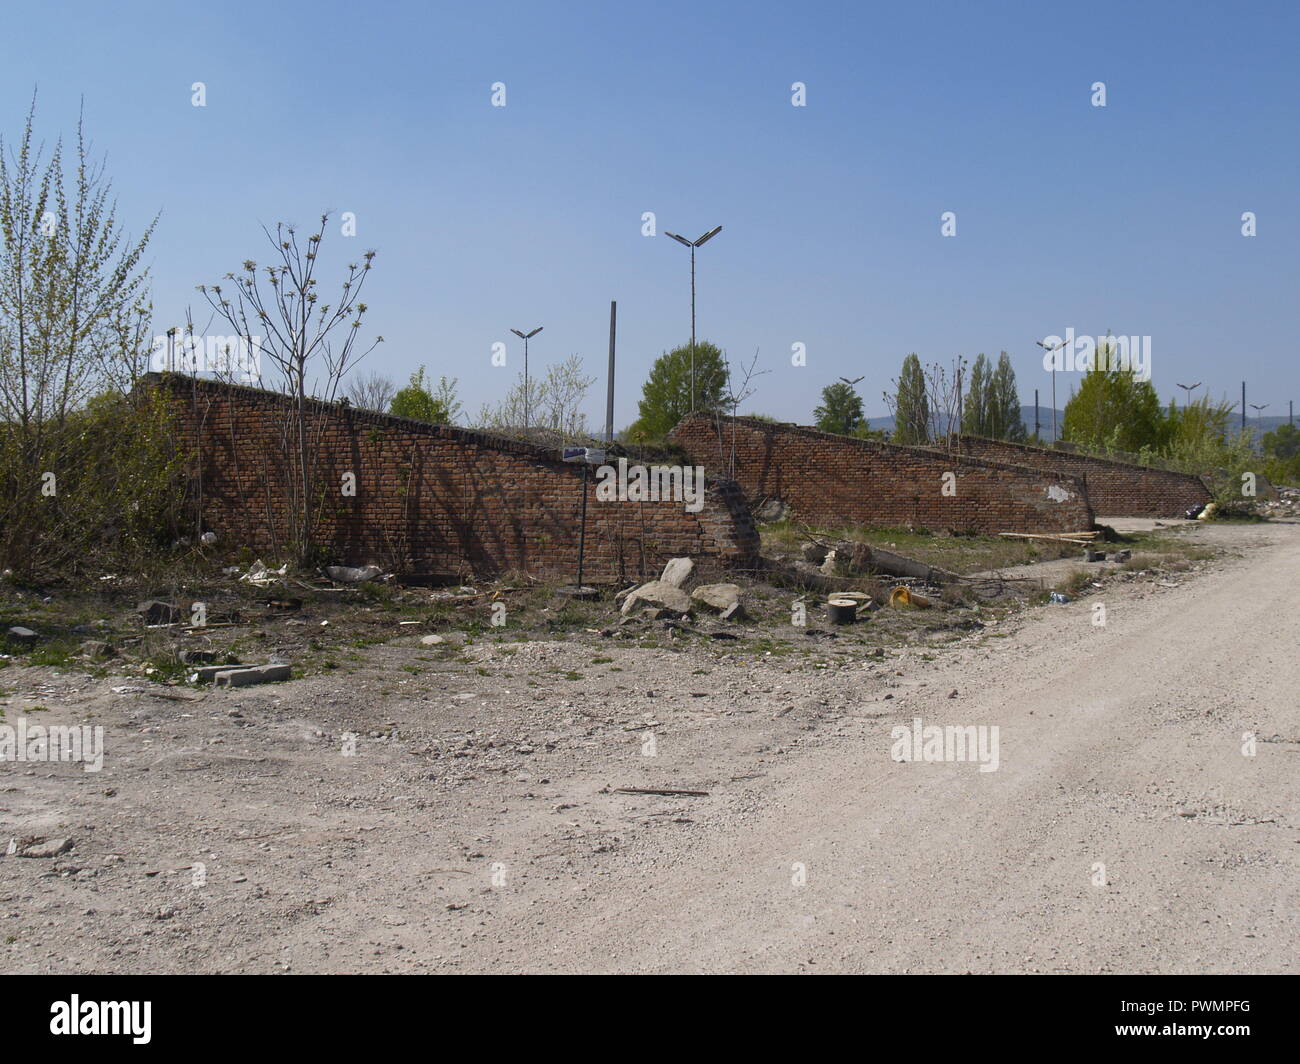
x=477 y=826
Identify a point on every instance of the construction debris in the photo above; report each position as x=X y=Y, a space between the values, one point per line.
x=1077 y=538
x=347 y=574
x=245 y=676
x=905 y=596
x=260 y=575
x=717 y=597
x=37 y=847
x=677 y=572
x=660 y=595
x=841 y=610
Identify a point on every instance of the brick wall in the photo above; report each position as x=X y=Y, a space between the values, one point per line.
x=1116 y=489
x=434 y=499
x=834 y=480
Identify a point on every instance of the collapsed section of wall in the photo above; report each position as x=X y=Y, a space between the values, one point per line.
x=431 y=499
x=833 y=480
x=1115 y=489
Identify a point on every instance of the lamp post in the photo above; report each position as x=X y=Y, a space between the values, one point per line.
x=848 y=429
x=693 y=244
x=1052 y=351
x=1188 y=388
x=527 y=394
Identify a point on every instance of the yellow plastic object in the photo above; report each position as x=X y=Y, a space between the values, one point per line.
x=902 y=596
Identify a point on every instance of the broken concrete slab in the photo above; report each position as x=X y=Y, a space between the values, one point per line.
x=659 y=595
x=717 y=597
x=244 y=676
x=42 y=847
x=208 y=673
x=98 y=650
x=19 y=634
x=677 y=572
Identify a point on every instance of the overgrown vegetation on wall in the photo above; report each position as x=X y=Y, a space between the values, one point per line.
x=86 y=468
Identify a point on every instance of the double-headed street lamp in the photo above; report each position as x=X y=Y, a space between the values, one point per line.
x=693 y=244
x=525 y=337
x=1052 y=351
x=848 y=428
x=1188 y=388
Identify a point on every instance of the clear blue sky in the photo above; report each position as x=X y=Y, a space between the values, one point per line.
x=1125 y=217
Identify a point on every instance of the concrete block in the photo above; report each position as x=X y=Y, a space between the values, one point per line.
x=244 y=675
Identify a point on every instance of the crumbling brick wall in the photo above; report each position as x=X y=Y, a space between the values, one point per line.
x=434 y=500
x=833 y=480
x=1116 y=489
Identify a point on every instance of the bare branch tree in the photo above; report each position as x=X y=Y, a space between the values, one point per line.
x=735 y=394
x=372 y=392
x=311 y=344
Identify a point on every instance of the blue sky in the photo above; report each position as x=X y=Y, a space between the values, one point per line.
x=1126 y=217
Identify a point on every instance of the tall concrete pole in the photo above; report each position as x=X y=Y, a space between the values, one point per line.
x=609 y=397
x=692 y=328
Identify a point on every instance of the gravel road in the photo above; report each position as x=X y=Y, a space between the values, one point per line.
x=479 y=825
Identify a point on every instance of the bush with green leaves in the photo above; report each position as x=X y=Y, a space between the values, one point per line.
x=419 y=403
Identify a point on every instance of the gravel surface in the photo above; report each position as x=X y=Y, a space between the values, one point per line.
x=479 y=827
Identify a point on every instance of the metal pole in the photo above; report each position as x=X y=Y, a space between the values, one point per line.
x=1243 y=406
x=1290 y=411
x=526 y=394
x=1036 y=425
x=959 y=411
x=692 y=328
x=609 y=398
x=582 y=534
x=1055 y=435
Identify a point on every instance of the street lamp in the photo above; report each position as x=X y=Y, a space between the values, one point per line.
x=693 y=244
x=527 y=395
x=1188 y=388
x=848 y=429
x=1052 y=351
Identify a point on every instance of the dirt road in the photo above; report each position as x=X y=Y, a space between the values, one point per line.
x=478 y=827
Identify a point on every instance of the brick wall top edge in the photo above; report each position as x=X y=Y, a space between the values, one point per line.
x=877 y=446
x=180 y=383
x=1052 y=452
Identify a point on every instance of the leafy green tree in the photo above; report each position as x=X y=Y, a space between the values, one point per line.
x=416 y=401
x=1283 y=442
x=975 y=407
x=1114 y=410
x=911 y=407
x=666 y=394
x=840 y=410
x=1005 y=422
